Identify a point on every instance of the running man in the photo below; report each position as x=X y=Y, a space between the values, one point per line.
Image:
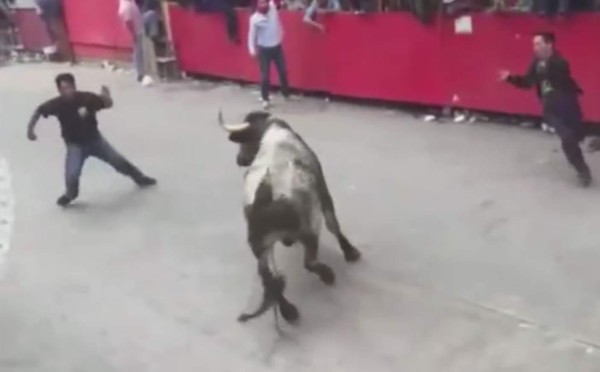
x=76 y=113
x=559 y=92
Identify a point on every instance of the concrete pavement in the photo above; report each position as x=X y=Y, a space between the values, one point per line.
x=479 y=252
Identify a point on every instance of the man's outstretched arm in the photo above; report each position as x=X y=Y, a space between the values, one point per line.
x=32 y=124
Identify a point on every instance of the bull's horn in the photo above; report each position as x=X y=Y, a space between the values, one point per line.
x=231 y=127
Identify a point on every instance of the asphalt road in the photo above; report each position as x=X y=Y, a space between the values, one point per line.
x=480 y=253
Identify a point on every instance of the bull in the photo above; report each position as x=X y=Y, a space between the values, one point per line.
x=285 y=200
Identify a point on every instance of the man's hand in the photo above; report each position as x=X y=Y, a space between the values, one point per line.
x=253 y=53
x=503 y=75
x=31 y=135
x=320 y=27
x=106 y=97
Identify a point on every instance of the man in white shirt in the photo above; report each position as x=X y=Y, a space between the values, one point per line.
x=264 y=41
x=143 y=49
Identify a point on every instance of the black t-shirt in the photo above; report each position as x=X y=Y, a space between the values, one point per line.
x=76 y=115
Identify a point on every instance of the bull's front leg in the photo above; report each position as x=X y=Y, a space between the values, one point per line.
x=311 y=263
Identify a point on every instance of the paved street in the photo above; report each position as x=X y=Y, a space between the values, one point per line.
x=480 y=254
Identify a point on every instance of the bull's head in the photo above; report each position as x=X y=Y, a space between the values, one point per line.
x=247 y=134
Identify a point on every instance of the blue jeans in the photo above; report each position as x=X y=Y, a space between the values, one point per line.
x=77 y=154
x=151 y=23
x=265 y=57
x=138 y=55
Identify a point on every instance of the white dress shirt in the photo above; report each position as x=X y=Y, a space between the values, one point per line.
x=265 y=29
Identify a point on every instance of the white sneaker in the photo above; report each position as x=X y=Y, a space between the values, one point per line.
x=266 y=104
x=147 y=81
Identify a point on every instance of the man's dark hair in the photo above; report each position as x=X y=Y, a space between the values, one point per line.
x=548 y=37
x=65 y=78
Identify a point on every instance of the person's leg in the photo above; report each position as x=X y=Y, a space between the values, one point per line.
x=149 y=57
x=151 y=26
x=279 y=60
x=232 y=23
x=75 y=159
x=138 y=56
x=103 y=150
x=571 y=138
x=264 y=59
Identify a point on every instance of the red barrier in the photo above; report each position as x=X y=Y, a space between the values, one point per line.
x=32 y=30
x=95 y=29
x=393 y=57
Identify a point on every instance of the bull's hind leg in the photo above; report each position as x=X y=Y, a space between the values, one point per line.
x=351 y=254
x=311 y=263
x=273 y=287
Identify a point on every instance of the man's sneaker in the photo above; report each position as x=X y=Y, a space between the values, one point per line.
x=266 y=105
x=64 y=200
x=146 y=182
x=585 y=179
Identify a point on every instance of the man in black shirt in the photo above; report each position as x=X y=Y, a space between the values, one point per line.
x=76 y=113
x=559 y=92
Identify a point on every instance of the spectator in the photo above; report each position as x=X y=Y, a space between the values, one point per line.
x=51 y=12
x=144 y=64
x=311 y=12
x=361 y=6
x=264 y=41
x=295 y=4
x=550 y=7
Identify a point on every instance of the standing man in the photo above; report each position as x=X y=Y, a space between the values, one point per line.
x=76 y=113
x=143 y=49
x=264 y=40
x=559 y=93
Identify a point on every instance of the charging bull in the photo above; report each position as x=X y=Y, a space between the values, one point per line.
x=285 y=200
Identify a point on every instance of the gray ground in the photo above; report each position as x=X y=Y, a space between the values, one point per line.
x=480 y=254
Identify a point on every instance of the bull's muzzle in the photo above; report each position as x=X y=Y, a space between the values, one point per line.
x=231 y=127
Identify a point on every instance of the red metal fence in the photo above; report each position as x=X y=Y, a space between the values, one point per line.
x=379 y=56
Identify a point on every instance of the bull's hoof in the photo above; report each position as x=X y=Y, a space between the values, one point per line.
x=326 y=275
x=352 y=254
x=289 y=312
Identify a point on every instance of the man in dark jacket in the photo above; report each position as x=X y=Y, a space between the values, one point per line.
x=559 y=92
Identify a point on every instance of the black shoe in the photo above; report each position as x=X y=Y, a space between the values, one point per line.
x=585 y=179
x=146 y=182
x=64 y=200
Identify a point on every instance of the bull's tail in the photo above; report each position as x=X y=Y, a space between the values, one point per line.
x=273 y=286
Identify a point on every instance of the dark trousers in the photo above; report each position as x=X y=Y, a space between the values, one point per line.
x=77 y=154
x=266 y=56
x=564 y=115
